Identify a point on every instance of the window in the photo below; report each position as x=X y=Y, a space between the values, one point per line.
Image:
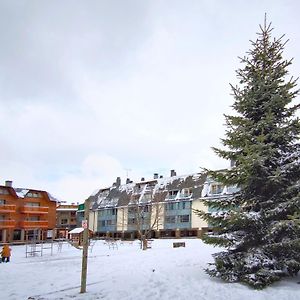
x=63 y=221
x=103 y=223
x=145 y=208
x=32 y=204
x=17 y=235
x=131 y=221
x=110 y=222
x=170 y=219
x=33 y=195
x=147 y=197
x=2 y=201
x=216 y=189
x=186 y=193
x=172 y=206
x=33 y=218
x=4 y=192
x=185 y=204
x=172 y=194
x=184 y=218
x=168 y=206
x=104 y=194
x=131 y=210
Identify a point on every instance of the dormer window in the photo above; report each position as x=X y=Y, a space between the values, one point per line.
x=172 y=194
x=4 y=192
x=104 y=193
x=33 y=195
x=216 y=188
x=186 y=193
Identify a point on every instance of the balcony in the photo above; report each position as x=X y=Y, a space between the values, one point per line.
x=7 y=223
x=7 y=208
x=37 y=210
x=34 y=224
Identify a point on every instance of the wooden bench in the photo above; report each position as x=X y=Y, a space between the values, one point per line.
x=178 y=244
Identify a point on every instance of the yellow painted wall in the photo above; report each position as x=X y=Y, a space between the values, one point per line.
x=198 y=222
x=122 y=217
x=159 y=210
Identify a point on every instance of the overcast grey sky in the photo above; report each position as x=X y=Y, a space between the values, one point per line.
x=90 y=89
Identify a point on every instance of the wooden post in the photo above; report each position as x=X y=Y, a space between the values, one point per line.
x=85 y=247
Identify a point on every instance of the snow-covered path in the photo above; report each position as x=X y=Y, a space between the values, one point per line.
x=128 y=273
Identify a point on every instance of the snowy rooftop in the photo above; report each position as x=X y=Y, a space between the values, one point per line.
x=122 y=195
x=76 y=230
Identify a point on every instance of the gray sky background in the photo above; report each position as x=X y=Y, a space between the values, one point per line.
x=90 y=89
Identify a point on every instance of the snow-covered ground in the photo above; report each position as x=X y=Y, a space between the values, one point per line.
x=162 y=272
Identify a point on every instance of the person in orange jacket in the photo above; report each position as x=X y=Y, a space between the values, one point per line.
x=5 y=253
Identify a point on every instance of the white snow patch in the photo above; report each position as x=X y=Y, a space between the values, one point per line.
x=128 y=273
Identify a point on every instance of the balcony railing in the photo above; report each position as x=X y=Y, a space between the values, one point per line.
x=7 y=208
x=7 y=223
x=34 y=224
x=34 y=210
x=171 y=197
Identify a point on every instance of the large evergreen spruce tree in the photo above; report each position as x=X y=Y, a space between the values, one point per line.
x=257 y=225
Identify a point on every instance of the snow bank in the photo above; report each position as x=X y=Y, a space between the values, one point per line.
x=162 y=272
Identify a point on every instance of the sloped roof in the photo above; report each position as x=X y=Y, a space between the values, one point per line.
x=21 y=193
x=76 y=230
x=118 y=196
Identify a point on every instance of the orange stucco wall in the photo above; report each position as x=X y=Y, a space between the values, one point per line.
x=19 y=216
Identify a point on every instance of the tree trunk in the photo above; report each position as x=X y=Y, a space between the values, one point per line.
x=144 y=242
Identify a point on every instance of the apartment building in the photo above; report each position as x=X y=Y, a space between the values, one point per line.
x=65 y=219
x=163 y=206
x=25 y=214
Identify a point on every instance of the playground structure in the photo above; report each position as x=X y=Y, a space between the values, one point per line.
x=112 y=244
x=37 y=247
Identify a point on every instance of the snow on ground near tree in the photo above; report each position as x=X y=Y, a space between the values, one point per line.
x=126 y=273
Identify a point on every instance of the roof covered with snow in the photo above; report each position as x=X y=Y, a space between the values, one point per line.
x=22 y=192
x=76 y=230
x=147 y=191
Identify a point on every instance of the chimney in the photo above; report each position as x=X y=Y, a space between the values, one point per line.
x=127 y=180
x=142 y=179
x=8 y=183
x=155 y=176
x=173 y=173
x=118 y=181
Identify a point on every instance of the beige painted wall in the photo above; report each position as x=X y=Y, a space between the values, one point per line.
x=93 y=217
x=122 y=217
x=198 y=222
x=158 y=209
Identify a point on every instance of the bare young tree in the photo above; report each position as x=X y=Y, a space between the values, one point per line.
x=145 y=211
